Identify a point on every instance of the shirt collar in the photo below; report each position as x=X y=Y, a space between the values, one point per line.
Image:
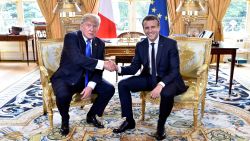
x=156 y=40
x=85 y=39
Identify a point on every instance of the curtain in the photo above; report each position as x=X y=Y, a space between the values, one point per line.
x=53 y=25
x=176 y=22
x=217 y=10
x=90 y=6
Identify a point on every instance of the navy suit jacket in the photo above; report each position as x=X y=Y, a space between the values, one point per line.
x=167 y=62
x=74 y=63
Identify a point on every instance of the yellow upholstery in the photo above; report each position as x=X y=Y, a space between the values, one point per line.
x=49 y=54
x=194 y=60
x=191 y=57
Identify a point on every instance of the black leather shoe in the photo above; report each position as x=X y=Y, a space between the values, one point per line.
x=94 y=121
x=64 y=129
x=124 y=126
x=160 y=135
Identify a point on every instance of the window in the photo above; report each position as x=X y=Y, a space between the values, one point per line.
x=31 y=12
x=234 y=22
x=8 y=16
x=128 y=14
x=120 y=13
x=18 y=13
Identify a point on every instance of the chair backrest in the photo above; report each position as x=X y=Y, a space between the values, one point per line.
x=49 y=54
x=194 y=52
x=132 y=34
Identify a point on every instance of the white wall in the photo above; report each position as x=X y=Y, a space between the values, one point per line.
x=15 y=51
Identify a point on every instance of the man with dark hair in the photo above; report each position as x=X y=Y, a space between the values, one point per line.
x=81 y=67
x=161 y=75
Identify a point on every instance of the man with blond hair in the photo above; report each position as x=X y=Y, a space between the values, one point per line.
x=81 y=68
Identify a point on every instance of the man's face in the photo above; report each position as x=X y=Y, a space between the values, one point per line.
x=89 y=29
x=151 y=29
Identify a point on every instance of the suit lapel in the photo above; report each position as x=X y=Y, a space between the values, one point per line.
x=82 y=42
x=146 y=46
x=94 y=48
x=159 y=51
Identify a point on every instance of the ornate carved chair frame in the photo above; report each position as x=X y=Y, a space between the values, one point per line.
x=49 y=54
x=194 y=62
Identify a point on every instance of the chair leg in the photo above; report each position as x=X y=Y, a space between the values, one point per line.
x=203 y=103
x=195 y=116
x=49 y=112
x=44 y=107
x=49 y=105
x=202 y=108
x=143 y=106
x=50 y=116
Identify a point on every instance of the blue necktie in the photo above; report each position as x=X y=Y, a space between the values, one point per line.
x=153 y=65
x=88 y=54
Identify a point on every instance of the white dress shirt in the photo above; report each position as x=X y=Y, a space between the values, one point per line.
x=149 y=56
x=98 y=66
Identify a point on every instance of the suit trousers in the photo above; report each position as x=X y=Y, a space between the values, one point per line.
x=64 y=93
x=144 y=83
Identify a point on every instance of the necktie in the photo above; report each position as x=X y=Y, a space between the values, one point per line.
x=88 y=54
x=153 y=64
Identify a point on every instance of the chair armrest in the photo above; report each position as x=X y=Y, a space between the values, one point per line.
x=201 y=82
x=202 y=69
x=44 y=71
x=47 y=88
x=44 y=76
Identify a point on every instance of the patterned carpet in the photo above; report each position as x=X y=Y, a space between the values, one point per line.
x=225 y=118
x=22 y=101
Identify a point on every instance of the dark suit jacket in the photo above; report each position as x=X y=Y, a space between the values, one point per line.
x=74 y=63
x=167 y=62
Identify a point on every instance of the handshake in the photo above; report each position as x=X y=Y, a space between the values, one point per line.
x=110 y=66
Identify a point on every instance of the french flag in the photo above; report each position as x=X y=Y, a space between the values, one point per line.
x=107 y=27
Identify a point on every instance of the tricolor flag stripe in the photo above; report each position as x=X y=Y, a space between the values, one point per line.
x=107 y=27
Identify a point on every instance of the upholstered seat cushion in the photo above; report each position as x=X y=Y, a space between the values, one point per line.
x=186 y=96
x=191 y=57
x=189 y=94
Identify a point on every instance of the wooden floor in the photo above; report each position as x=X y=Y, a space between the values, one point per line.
x=10 y=72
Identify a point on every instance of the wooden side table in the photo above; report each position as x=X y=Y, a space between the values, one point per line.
x=225 y=50
x=20 y=38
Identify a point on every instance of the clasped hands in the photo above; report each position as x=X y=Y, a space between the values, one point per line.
x=110 y=66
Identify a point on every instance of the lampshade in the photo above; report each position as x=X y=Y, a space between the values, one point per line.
x=190 y=9
x=67 y=8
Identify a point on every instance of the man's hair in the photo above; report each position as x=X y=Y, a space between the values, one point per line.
x=91 y=17
x=151 y=18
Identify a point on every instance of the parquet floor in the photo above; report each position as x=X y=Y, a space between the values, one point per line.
x=10 y=72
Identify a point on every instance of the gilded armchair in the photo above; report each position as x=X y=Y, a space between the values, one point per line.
x=49 y=54
x=194 y=56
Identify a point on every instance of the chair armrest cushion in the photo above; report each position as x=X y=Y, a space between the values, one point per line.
x=44 y=71
x=202 y=69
